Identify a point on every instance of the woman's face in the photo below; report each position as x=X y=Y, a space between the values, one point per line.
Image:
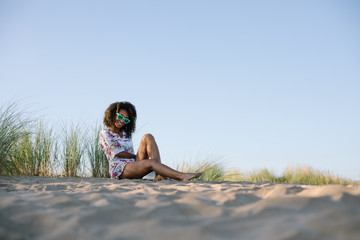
x=120 y=123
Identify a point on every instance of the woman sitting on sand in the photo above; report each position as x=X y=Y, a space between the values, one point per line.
x=116 y=142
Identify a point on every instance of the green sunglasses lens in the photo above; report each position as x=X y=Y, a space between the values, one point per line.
x=126 y=120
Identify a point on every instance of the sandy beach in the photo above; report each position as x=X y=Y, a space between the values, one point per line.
x=92 y=208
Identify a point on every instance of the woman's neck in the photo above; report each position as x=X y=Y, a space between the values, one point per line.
x=116 y=130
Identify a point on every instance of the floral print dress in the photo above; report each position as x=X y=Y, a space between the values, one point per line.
x=112 y=144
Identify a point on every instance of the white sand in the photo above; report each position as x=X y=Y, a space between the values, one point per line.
x=91 y=208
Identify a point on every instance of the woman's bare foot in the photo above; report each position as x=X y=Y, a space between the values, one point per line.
x=189 y=176
x=158 y=177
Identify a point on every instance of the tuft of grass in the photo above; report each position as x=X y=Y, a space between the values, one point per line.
x=98 y=161
x=32 y=154
x=262 y=175
x=300 y=175
x=13 y=121
x=309 y=175
x=234 y=175
x=212 y=171
x=73 y=151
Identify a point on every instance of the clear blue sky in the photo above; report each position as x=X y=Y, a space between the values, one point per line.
x=257 y=83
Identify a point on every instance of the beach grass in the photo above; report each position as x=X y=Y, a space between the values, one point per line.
x=34 y=154
x=262 y=175
x=28 y=147
x=97 y=158
x=73 y=148
x=302 y=174
x=212 y=170
x=13 y=127
x=309 y=175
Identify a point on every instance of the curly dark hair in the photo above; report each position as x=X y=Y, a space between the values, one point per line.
x=114 y=108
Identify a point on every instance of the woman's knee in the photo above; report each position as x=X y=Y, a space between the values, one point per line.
x=149 y=163
x=148 y=136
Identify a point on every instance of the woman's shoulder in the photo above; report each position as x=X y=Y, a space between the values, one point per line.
x=106 y=133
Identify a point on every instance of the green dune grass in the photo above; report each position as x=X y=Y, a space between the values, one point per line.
x=73 y=148
x=97 y=159
x=34 y=153
x=214 y=171
x=13 y=126
x=28 y=147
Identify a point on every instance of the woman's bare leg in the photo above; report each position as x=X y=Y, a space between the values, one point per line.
x=138 y=169
x=148 y=149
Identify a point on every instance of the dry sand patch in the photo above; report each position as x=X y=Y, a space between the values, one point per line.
x=93 y=208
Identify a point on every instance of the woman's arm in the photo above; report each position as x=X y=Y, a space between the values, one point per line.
x=125 y=155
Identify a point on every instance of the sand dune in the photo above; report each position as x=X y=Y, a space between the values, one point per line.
x=92 y=208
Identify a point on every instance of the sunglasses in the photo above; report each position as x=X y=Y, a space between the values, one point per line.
x=122 y=118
